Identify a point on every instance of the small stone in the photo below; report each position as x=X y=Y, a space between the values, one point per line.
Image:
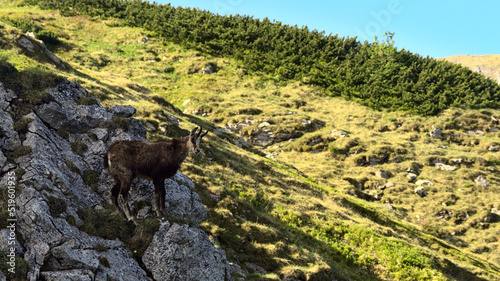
x=424 y=183
x=476 y=133
x=382 y=174
x=445 y=167
x=420 y=191
x=412 y=177
x=264 y=124
x=481 y=181
x=436 y=133
x=338 y=134
x=389 y=185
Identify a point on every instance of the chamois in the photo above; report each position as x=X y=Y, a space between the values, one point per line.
x=157 y=160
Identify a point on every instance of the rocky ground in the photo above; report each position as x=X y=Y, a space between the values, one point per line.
x=55 y=152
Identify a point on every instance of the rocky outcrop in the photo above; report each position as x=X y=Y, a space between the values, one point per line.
x=181 y=252
x=37 y=49
x=57 y=165
x=265 y=133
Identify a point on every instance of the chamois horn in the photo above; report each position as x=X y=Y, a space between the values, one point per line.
x=203 y=134
x=194 y=131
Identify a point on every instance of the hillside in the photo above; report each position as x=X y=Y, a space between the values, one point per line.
x=298 y=184
x=487 y=65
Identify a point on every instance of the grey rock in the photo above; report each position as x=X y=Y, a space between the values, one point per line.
x=444 y=167
x=6 y=97
x=68 y=275
x=5 y=235
x=481 y=181
x=255 y=269
x=26 y=44
x=180 y=252
x=424 y=183
x=9 y=138
x=37 y=48
x=66 y=113
x=149 y=126
x=420 y=191
x=476 y=133
x=411 y=177
x=168 y=117
x=181 y=201
x=210 y=68
x=338 y=134
x=382 y=174
x=3 y=160
x=122 y=110
x=70 y=256
x=436 y=133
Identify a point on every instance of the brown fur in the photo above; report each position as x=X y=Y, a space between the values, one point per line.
x=157 y=160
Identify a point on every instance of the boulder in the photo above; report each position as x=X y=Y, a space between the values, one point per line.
x=420 y=191
x=181 y=201
x=122 y=110
x=36 y=48
x=181 y=252
x=445 y=167
x=66 y=113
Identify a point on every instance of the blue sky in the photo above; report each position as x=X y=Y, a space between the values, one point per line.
x=437 y=28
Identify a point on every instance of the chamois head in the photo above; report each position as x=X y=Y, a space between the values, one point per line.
x=193 y=140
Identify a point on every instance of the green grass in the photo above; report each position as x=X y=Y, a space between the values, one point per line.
x=291 y=213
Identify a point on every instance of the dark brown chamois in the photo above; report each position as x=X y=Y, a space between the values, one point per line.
x=157 y=160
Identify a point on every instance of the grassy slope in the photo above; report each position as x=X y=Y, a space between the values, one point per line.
x=488 y=64
x=266 y=212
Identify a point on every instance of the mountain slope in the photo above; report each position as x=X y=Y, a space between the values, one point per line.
x=374 y=74
x=487 y=65
x=273 y=220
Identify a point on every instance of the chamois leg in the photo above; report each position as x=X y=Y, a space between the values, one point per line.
x=125 y=187
x=160 y=197
x=115 y=191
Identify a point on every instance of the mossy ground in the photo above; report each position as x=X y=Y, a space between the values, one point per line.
x=293 y=215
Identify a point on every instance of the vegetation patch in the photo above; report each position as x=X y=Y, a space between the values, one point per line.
x=21 y=151
x=57 y=206
x=78 y=147
x=91 y=178
x=21 y=127
x=29 y=85
x=22 y=268
x=117 y=123
x=29 y=25
x=374 y=74
x=111 y=224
